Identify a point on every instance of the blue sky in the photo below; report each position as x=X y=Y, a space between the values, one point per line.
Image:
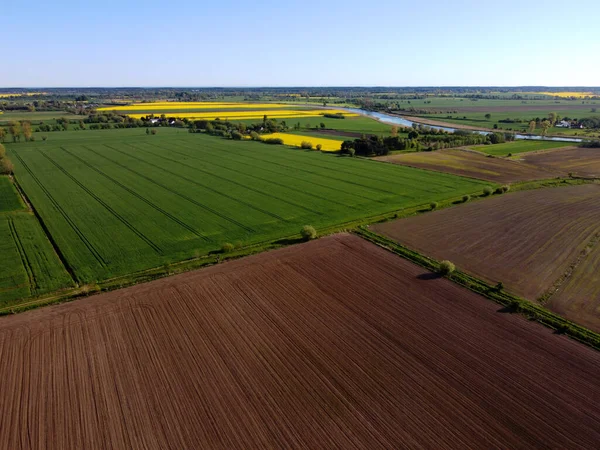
x=308 y=43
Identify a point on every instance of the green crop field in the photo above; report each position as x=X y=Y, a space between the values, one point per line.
x=30 y=265
x=9 y=199
x=517 y=147
x=130 y=201
x=363 y=125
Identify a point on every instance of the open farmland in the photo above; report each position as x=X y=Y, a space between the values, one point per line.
x=527 y=240
x=332 y=344
x=584 y=162
x=471 y=164
x=521 y=146
x=130 y=202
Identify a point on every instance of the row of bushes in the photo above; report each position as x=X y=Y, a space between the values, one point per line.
x=6 y=166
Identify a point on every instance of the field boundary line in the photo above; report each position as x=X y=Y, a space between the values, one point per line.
x=125 y=222
x=95 y=253
x=512 y=302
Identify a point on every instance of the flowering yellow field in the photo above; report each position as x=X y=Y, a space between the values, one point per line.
x=20 y=94
x=156 y=106
x=243 y=115
x=330 y=145
x=566 y=94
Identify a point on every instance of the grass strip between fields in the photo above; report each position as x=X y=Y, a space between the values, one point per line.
x=512 y=302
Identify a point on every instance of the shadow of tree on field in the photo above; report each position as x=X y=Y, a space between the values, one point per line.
x=429 y=276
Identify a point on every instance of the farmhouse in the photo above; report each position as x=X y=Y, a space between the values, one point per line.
x=563 y=124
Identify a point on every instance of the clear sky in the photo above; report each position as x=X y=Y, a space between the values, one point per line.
x=300 y=43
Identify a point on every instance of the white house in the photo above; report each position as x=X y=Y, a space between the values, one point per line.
x=563 y=124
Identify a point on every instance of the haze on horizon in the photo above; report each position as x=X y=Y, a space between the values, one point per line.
x=349 y=43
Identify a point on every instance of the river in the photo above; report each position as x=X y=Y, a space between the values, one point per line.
x=398 y=120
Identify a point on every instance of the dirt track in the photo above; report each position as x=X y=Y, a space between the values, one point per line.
x=472 y=164
x=332 y=344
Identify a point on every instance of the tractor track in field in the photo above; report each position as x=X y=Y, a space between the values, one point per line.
x=94 y=252
x=227 y=180
x=110 y=209
x=185 y=197
x=138 y=196
x=327 y=199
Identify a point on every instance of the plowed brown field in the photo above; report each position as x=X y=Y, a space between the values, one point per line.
x=472 y=164
x=332 y=344
x=527 y=239
x=583 y=162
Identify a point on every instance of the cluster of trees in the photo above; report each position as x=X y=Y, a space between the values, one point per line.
x=591 y=122
x=6 y=167
x=371 y=146
x=17 y=130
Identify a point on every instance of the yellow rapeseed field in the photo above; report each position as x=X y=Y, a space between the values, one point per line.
x=20 y=94
x=247 y=115
x=159 y=106
x=330 y=145
x=566 y=94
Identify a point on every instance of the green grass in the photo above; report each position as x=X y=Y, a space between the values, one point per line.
x=522 y=146
x=9 y=198
x=30 y=265
x=128 y=202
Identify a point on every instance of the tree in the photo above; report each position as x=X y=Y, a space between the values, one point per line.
x=552 y=117
x=153 y=131
x=308 y=232
x=14 y=128
x=433 y=205
x=26 y=130
x=488 y=116
x=227 y=247
x=2 y=133
x=446 y=267
x=414 y=134
x=6 y=167
x=394 y=131
x=487 y=191
x=545 y=125
x=2 y=151
x=306 y=145
x=322 y=125
x=532 y=126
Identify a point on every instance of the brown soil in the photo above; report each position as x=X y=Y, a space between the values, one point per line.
x=527 y=239
x=584 y=162
x=332 y=344
x=472 y=164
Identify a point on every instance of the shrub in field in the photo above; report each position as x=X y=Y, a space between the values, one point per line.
x=433 y=205
x=153 y=131
x=273 y=141
x=308 y=232
x=466 y=198
x=499 y=286
x=236 y=136
x=351 y=152
x=306 y=145
x=2 y=151
x=319 y=147
x=498 y=191
x=227 y=247
x=446 y=267
x=255 y=136
x=505 y=188
x=487 y=191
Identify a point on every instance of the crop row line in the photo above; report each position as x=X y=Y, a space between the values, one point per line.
x=138 y=196
x=212 y=174
x=310 y=194
x=185 y=197
x=33 y=285
x=123 y=220
x=95 y=253
x=338 y=170
x=329 y=176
